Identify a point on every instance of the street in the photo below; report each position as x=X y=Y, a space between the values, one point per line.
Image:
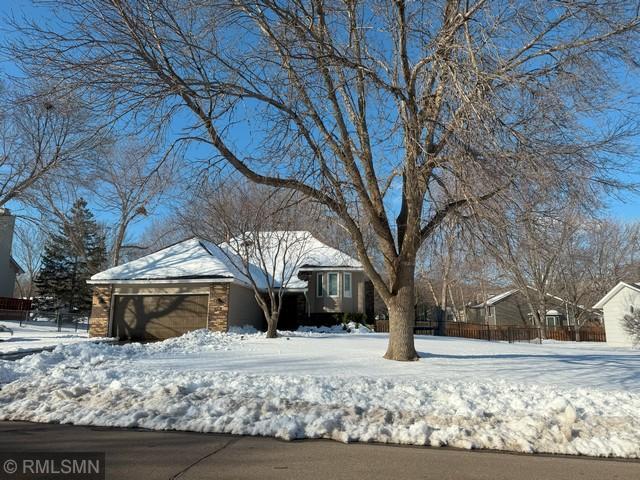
x=140 y=454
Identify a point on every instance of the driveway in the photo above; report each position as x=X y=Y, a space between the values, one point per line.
x=151 y=455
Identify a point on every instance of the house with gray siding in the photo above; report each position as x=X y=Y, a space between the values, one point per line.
x=194 y=284
x=510 y=308
x=9 y=268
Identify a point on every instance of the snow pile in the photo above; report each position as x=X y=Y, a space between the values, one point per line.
x=182 y=384
x=307 y=331
x=351 y=327
x=38 y=335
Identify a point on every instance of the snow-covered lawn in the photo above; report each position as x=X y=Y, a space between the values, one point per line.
x=37 y=335
x=556 y=397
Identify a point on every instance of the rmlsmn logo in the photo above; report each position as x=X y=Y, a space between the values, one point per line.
x=51 y=465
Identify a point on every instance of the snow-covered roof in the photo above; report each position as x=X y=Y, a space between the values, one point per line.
x=496 y=298
x=284 y=254
x=614 y=291
x=190 y=259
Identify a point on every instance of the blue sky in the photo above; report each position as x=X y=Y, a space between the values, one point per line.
x=626 y=207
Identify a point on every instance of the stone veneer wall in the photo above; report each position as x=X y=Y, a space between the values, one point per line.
x=100 y=311
x=218 y=316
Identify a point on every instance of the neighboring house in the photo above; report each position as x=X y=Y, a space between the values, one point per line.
x=9 y=268
x=622 y=300
x=193 y=285
x=510 y=308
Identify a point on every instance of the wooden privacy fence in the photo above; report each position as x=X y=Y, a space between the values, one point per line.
x=570 y=334
x=14 y=309
x=492 y=333
x=382 y=326
x=16 y=304
x=502 y=333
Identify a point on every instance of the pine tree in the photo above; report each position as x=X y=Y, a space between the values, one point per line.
x=71 y=257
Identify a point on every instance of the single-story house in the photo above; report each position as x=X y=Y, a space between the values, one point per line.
x=621 y=301
x=9 y=268
x=510 y=308
x=193 y=284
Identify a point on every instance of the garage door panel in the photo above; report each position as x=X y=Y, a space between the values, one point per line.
x=157 y=317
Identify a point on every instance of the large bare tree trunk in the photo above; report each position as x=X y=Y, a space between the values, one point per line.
x=272 y=325
x=402 y=320
x=542 y=318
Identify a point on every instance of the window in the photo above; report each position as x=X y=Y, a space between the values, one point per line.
x=332 y=284
x=320 y=285
x=347 y=285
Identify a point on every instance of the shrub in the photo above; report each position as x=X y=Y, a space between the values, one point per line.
x=631 y=324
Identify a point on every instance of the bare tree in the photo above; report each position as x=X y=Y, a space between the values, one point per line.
x=28 y=248
x=527 y=245
x=42 y=133
x=392 y=114
x=129 y=184
x=255 y=236
x=158 y=234
x=614 y=250
x=442 y=261
x=600 y=254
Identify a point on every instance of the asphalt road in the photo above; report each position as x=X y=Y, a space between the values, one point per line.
x=147 y=455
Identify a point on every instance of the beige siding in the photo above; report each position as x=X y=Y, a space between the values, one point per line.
x=614 y=313
x=353 y=304
x=162 y=289
x=243 y=308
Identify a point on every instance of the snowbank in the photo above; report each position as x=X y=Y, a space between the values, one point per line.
x=308 y=331
x=38 y=335
x=163 y=386
x=351 y=327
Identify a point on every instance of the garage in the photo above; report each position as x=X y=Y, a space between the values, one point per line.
x=158 y=317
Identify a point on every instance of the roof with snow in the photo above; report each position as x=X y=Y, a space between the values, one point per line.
x=504 y=295
x=283 y=255
x=615 y=290
x=496 y=298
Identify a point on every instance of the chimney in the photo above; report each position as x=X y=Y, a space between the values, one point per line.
x=7 y=271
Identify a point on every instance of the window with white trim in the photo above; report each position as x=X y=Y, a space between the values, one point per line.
x=332 y=284
x=319 y=285
x=347 y=285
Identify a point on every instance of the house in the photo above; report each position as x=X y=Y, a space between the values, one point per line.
x=622 y=300
x=9 y=268
x=510 y=308
x=193 y=284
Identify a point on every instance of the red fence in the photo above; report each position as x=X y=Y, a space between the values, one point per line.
x=504 y=333
x=14 y=309
x=14 y=304
x=570 y=334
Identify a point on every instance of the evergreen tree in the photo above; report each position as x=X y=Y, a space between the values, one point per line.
x=71 y=257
